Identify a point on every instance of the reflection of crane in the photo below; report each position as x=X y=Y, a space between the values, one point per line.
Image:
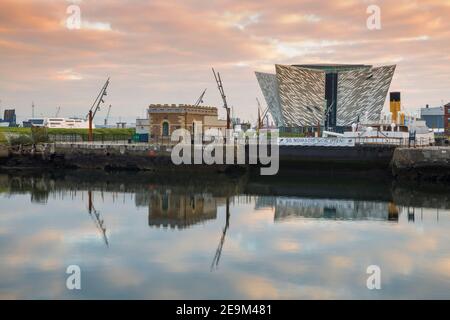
x=200 y=99
x=95 y=215
x=224 y=97
x=96 y=107
x=215 y=262
x=57 y=112
x=107 y=115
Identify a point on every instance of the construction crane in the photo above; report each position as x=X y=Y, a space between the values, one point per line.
x=58 y=110
x=263 y=116
x=224 y=97
x=200 y=99
x=107 y=116
x=96 y=107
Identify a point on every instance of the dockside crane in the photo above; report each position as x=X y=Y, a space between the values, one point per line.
x=262 y=115
x=58 y=110
x=96 y=107
x=224 y=97
x=107 y=116
x=200 y=99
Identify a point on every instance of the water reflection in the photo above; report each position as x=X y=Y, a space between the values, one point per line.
x=169 y=208
x=151 y=236
x=97 y=218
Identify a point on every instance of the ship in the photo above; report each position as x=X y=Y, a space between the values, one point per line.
x=364 y=146
x=58 y=123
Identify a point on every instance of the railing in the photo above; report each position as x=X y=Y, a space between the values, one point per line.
x=101 y=138
x=401 y=142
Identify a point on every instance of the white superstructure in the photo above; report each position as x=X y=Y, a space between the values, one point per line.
x=399 y=134
x=70 y=123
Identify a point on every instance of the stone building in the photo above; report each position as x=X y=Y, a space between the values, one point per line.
x=165 y=119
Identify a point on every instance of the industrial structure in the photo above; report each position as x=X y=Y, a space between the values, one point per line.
x=328 y=95
x=9 y=118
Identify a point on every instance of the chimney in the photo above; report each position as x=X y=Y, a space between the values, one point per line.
x=395 y=105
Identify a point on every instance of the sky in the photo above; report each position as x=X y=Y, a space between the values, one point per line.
x=162 y=51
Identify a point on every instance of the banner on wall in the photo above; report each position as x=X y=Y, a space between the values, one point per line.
x=319 y=142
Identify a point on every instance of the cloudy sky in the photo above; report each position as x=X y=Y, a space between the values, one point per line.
x=161 y=51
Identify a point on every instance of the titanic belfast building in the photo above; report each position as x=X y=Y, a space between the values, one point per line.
x=330 y=95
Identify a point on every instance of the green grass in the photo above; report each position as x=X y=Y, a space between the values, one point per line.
x=15 y=130
x=108 y=131
x=99 y=134
x=2 y=138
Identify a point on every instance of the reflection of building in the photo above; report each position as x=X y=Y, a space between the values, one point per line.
x=337 y=95
x=175 y=210
x=286 y=207
x=165 y=119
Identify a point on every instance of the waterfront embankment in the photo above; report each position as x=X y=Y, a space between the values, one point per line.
x=419 y=164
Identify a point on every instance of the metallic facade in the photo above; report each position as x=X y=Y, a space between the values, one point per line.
x=302 y=95
x=297 y=95
x=269 y=87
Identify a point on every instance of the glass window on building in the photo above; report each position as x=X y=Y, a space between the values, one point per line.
x=165 y=129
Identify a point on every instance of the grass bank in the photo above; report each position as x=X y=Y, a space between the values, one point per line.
x=110 y=131
x=2 y=138
x=100 y=134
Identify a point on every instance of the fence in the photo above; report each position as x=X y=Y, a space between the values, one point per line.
x=401 y=142
x=103 y=138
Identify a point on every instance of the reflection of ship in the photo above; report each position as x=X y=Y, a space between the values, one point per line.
x=336 y=209
x=175 y=210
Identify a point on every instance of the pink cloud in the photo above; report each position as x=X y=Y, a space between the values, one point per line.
x=162 y=51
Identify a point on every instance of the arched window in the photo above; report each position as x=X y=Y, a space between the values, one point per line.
x=165 y=129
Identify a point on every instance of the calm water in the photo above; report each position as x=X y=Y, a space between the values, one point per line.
x=139 y=236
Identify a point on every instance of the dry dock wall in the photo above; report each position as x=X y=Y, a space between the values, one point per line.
x=429 y=163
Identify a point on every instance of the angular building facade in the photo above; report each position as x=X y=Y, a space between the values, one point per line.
x=330 y=95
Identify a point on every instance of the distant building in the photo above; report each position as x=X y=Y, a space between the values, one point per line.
x=10 y=117
x=434 y=117
x=142 y=126
x=142 y=129
x=35 y=122
x=447 y=118
x=165 y=119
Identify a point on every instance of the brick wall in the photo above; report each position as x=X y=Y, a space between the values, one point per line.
x=177 y=117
